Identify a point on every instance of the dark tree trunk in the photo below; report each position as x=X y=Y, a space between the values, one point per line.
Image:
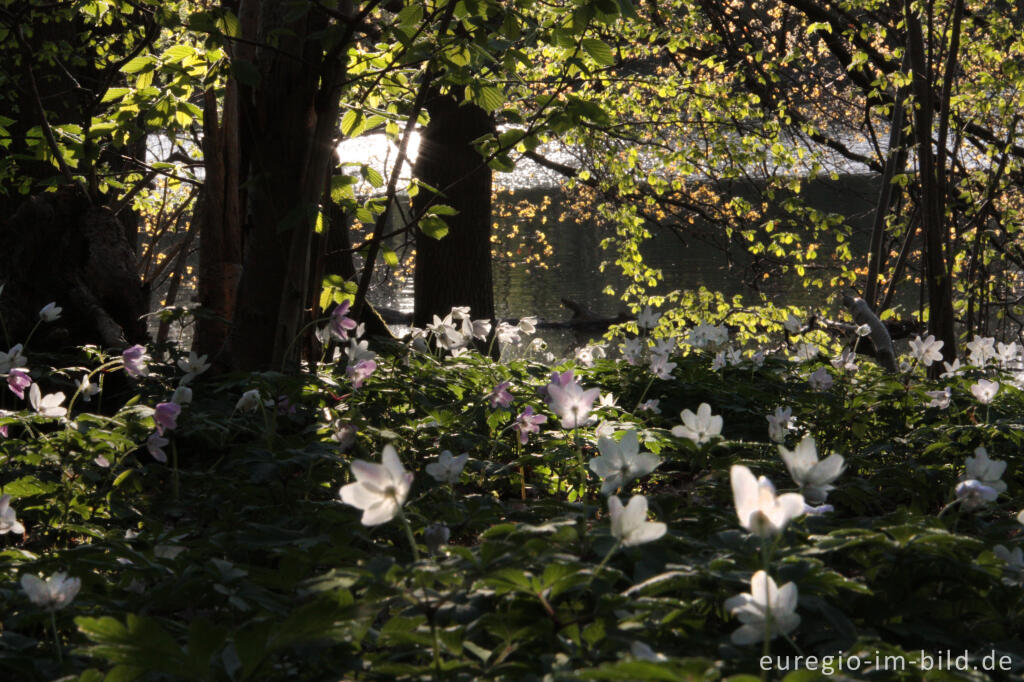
x=455 y=270
x=220 y=252
x=293 y=120
x=932 y=175
x=59 y=248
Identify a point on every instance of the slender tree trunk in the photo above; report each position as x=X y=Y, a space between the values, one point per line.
x=896 y=161
x=455 y=270
x=933 y=220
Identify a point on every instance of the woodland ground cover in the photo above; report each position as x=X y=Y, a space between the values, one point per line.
x=311 y=526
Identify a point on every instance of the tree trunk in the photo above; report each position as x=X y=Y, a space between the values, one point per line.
x=294 y=119
x=933 y=222
x=59 y=248
x=455 y=270
x=220 y=246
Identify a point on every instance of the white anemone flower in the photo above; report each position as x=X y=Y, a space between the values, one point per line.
x=766 y=606
x=621 y=462
x=52 y=594
x=985 y=390
x=927 y=350
x=820 y=380
x=805 y=352
x=700 y=427
x=249 y=401
x=644 y=652
x=8 y=519
x=182 y=395
x=665 y=347
x=758 y=508
x=981 y=349
x=87 y=389
x=661 y=367
x=447 y=468
x=647 y=318
x=49 y=405
x=1007 y=353
x=446 y=334
x=633 y=349
x=939 y=399
x=12 y=358
x=380 y=489
x=1014 y=559
x=814 y=477
x=952 y=370
x=528 y=325
x=988 y=471
x=192 y=366
x=358 y=351
x=630 y=525
x=50 y=312
x=974 y=494
x=845 y=361
x=779 y=423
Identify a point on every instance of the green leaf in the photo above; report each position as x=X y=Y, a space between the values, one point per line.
x=342 y=188
x=114 y=93
x=390 y=257
x=350 y=123
x=373 y=177
x=433 y=227
x=410 y=16
x=141 y=62
x=599 y=51
x=442 y=209
x=176 y=53
x=489 y=97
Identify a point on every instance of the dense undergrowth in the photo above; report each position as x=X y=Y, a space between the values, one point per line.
x=236 y=559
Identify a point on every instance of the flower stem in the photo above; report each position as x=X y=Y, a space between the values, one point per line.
x=102 y=368
x=766 y=647
x=409 y=535
x=604 y=561
x=174 y=469
x=28 y=338
x=56 y=637
x=583 y=477
x=643 y=395
x=437 y=648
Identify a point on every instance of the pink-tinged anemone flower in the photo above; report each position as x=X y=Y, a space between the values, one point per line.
x=562 y=379
x=360 y=372
x=135 y=361
x=528 y=422
x=155 y=445
x=499 y=395
x=18 y=380
x=340 y=324
x=166 y=416
x=572 y=403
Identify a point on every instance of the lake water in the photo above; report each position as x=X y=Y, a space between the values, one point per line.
x=573 y=269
